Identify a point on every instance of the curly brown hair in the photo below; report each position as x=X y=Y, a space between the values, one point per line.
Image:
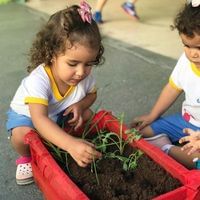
x=187 y=20
x=65 y=26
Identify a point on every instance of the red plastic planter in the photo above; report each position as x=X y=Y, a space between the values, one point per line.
x=56 y=185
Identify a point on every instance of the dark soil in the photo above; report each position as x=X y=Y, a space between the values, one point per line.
x=148 y=180
x=145 y=182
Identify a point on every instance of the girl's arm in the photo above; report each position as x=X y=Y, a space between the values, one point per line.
x=82 y=151
x=85 y=103
x=78 y=110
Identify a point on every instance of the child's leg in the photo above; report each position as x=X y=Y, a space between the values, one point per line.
x=183 y=157
x=24 y=173
x=100 y=5
x=97 y=16
x=17 y=126
x=17 y=140
x=147 y=132
x=173 y=126
x=129 y=7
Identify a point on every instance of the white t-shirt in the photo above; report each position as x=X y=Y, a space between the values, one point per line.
x=40 y=87
x=186 y=77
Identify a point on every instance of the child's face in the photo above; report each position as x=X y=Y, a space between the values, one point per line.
x=74 y=65
x=192 y=48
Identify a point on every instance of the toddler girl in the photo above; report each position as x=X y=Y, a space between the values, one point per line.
x=60 y=81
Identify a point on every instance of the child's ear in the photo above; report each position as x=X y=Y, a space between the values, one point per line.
x=53 y=59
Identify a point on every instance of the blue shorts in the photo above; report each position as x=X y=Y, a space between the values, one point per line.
x=16 y=120
x=173 y=126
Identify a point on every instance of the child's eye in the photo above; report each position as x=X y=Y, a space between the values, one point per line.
x=198 y=48
x=72 y=64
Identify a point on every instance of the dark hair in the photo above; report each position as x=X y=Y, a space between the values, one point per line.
x=63 y=27
x=187 y=20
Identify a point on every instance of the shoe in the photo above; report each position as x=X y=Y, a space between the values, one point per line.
x=24 y=174
x=159 y=140
x=98 y=17
x=129 y=8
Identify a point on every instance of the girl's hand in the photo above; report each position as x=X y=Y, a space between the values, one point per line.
x=77 y=119
x=83 y=152
x=193 y=140
x=141 y=122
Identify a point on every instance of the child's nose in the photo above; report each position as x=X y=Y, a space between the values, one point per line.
x=80 y=71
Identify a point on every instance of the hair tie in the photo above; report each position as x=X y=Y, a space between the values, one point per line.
x=195 y=3
x=85 y=12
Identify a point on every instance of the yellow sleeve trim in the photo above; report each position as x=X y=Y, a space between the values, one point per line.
x=171 y=82
x=36 y=100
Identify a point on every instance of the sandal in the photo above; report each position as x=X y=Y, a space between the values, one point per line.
x=24 y=173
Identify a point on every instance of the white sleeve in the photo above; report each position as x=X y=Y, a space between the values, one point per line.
x=178 y=73
x=36 y=89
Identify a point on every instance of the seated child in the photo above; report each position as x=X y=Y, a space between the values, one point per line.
x=184 y=78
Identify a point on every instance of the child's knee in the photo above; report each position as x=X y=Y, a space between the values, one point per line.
x=147 y=131
x=183 y=157
x=18 y=133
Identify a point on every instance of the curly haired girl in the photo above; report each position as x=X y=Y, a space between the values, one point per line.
x=60 y=81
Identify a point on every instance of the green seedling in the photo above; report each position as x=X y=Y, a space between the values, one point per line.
x=103 y=140
x=94 y=166
x=134 y=132
x=131 y=162
x=55 y=151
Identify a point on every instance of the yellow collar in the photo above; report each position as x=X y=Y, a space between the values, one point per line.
x=54 y=86
x=195 y=69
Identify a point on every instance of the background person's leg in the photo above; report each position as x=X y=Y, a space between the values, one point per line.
x=129 y=8
x=98 y=11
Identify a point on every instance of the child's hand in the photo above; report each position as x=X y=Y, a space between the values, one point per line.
x=193 y=140
x=83 y=152
x=142 y=121
x=77 y=119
